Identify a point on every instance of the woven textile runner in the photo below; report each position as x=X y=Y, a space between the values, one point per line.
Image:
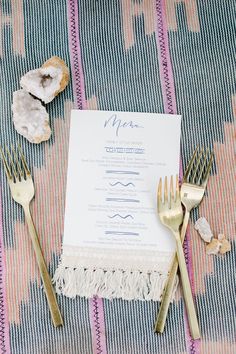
x=96 y=305
x=149 y=56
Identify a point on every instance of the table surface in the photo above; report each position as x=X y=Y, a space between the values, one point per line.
x=149 y=56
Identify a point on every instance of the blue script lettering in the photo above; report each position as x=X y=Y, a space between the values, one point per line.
x=117 y=123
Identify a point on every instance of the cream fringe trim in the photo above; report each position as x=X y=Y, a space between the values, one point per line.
x=109 y=284
x=78 y=276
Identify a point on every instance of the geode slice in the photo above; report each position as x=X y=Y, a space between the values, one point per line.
x=30 y=117
x=46 y=82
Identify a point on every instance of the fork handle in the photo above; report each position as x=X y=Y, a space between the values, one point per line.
x=188 y=297
x=170 y=283
x=47 y=281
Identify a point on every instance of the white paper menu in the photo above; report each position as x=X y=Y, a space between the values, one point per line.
x=115 y=162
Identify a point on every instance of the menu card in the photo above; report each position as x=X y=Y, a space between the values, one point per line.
x=115 y=162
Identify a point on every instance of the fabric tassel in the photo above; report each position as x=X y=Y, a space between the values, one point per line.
x=109 y=284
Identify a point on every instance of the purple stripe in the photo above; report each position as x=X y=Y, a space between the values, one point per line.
x=4 y=326
x=75 y=55
x=95 y=304
x=97 y=325
x=165 y=67
x=169 y=100
x=193 y=345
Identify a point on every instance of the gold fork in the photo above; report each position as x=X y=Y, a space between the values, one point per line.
x=22 y=190
x=192 y=191
x=171 y=215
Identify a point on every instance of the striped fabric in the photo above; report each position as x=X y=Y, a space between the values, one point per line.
x=133 y=55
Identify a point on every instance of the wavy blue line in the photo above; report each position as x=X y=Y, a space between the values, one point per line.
x=122 y=217
x=122 y=184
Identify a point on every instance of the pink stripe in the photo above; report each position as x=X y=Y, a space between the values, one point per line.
x=169 y=99
x=192 y=345
x=96 y=311
x=75 y=54
x=4 y=326
x=95 y=304
x=165 y=67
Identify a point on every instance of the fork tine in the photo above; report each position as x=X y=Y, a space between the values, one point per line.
x=5 y=164
x=159 y=195
x=189 y=166
x=177 y=195
x=203 y=166
x=171 y=188
x=11 y=163
x=165 y=190
x=20 y=172
x=207 y=173
x=197 y=165
x=24 y=163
